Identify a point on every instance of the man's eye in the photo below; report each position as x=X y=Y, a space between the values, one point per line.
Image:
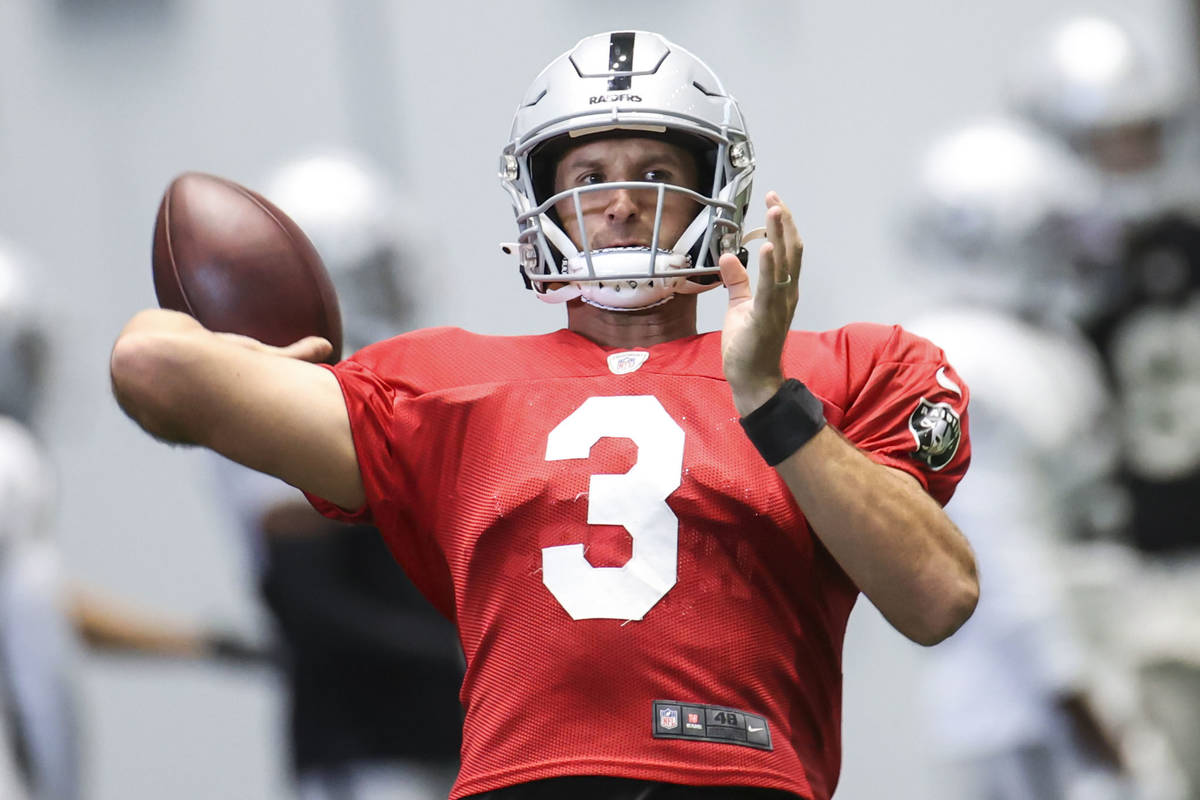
x=657 y=176
x=590 y=178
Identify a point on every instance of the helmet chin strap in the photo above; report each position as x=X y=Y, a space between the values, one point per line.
x=559 y=239
x=557 y=236
x=620 y=279
x=597 y=304
x=604 y=289
x=692 y=233
x=573 y=286
x=603 y=293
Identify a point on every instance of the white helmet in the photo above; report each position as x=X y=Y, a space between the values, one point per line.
x=1003 y=211
x=23 y=340
x=352 y=216
x=626 y=81
x=1090 y=74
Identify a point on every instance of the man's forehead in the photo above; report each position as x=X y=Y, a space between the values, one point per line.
x=628 y=145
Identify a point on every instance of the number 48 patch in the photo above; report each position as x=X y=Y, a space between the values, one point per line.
x=706 y=723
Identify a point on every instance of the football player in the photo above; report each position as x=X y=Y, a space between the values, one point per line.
x=45 y=614
x=1113 y=96
x=364 y=649
x=1117 y=99
x=650 y=539
x=1011 y=695
x=37 y=659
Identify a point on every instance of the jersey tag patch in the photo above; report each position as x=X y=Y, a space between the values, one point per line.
x=705 y=723
x=627 y=362
x=937 y=430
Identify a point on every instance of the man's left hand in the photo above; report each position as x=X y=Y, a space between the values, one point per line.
x=757 y=322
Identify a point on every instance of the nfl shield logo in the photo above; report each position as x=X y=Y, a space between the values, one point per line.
x=626 y=362
x=668 y=719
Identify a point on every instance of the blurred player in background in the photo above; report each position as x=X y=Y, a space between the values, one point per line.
x=650 y=540
x=44 y=614
x=1117 y=98
x=1011 y=695
x=373 y=670
x=36 y=637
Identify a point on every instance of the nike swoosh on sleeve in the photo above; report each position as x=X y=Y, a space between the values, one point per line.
x=946 y=383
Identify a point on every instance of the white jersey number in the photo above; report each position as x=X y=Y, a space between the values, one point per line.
x=636 y=500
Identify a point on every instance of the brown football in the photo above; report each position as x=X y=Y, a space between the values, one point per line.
x=228 y=257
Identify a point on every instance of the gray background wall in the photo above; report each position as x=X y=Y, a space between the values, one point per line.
x=103 y=101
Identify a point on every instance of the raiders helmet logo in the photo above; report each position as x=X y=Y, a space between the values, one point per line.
x=937 y=431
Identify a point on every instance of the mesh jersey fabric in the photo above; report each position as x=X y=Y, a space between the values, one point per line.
x=454 y=431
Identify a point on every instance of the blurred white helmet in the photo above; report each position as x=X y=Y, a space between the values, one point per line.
x=1090 y=73
x=352 y=216
x=1121 y=100
x=23 y=339
x=626 y=81
x=1001 y=211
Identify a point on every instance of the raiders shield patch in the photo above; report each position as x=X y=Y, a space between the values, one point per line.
x=937 y=431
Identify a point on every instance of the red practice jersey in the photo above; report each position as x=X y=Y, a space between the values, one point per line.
x=636 y=591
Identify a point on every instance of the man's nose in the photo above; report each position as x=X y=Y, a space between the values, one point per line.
x=622 y=206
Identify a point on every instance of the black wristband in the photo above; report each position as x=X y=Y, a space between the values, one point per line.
x=785 y=423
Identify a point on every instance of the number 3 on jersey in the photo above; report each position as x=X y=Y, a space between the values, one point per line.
x=636 y=500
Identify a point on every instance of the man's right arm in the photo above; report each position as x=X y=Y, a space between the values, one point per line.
x=266 y=407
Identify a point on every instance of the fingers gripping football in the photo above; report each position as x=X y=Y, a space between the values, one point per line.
x=310 y=348
x=232 y=260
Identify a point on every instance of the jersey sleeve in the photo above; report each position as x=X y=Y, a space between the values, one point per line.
x=388 y=431
x=371 y=407
x=910 y=413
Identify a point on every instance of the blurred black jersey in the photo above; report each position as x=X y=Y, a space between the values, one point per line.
x=374 y=669
x=1149 y=340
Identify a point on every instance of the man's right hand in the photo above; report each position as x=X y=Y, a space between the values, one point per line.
x=314 y=349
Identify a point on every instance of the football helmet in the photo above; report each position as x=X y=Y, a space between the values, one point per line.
x=352 y=216
x=626 y=81
x=1092 y=82
x=1001 y=210
x=23 y=340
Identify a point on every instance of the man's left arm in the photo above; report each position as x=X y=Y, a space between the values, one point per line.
x=892 y=539
x=889 y=535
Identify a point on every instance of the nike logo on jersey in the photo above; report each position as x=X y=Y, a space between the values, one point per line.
x=752 y=729
x=946 y=383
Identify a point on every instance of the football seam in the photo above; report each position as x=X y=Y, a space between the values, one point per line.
x=171 y=256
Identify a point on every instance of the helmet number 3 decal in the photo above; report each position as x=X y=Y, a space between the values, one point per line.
x=636 y=500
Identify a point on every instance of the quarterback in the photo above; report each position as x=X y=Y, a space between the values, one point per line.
x=650 y=539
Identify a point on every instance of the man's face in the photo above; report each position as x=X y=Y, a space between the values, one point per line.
x=1126 y=149
x=621 y=217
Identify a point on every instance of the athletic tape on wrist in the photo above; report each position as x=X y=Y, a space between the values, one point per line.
x=785 y=423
